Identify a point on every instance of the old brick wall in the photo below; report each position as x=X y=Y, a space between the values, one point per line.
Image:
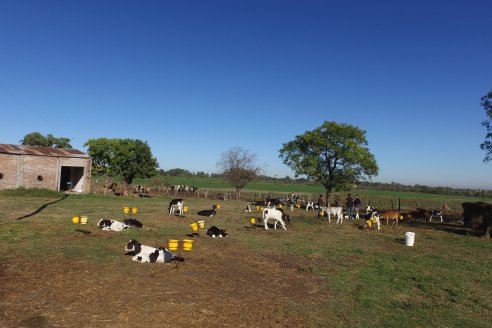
x=8 y=168
x=35 y=166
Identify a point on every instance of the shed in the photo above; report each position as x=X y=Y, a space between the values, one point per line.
x=44 y=167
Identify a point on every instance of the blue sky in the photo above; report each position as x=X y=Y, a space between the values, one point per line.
x=195 y=78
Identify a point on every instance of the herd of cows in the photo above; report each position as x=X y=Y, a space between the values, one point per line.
x=477 y=216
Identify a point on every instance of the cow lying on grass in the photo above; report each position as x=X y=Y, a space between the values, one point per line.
x=113 y=225
x=209 y=213
x=148 y=254
x=216 y=232
x=133 y=223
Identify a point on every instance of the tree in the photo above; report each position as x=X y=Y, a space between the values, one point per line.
x=125 y=157
x=487 y=144
x=334 y=154
x=37 y=139
x=238 y=167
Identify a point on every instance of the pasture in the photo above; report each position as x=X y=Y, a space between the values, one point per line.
x=315 y=274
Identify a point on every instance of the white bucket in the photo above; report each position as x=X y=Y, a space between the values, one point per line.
x=409 y=238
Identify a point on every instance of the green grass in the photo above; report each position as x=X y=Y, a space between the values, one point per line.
x=372 y=279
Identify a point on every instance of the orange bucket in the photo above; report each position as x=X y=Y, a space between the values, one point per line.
x=187 y=245
x=172 y=244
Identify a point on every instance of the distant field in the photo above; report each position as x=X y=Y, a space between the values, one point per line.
x=386 y=199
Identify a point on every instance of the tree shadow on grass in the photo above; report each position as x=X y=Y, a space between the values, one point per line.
x=42 y=207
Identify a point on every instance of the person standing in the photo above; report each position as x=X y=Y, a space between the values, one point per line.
x=357 y=206
x=350 y=205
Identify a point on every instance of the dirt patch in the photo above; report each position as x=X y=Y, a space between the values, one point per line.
x=226 y=287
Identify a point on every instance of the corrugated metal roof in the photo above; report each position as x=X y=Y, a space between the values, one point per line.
x=41 y=151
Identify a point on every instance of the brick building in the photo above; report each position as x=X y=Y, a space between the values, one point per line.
x=44 y=167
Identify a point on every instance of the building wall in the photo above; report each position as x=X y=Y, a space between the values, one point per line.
x=8 y=167
x=24 y=170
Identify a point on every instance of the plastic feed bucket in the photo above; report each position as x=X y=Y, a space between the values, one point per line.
x=187 y=245
x=134 y=210
x=409 y=238
x=172 y=244
x=258 y=207
x=194 y=227
x=201 y=224
x=83 y=219
x=75 y=219
x=252 y=221
x=126 y=210
x=185 y=209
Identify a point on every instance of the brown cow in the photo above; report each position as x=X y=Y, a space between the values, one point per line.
x=478 y=216
x=391 y=215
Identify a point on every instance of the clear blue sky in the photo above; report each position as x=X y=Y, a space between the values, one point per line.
x=195 y=78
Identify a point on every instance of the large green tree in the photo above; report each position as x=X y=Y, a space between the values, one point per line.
x=37 y=139
x=334 y=154
x=128 y=158
x=238 y=166
x=487 y=144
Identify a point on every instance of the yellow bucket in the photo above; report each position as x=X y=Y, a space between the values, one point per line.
x=401 y=217
x=252 y=221
x=194 y=227
x=261 y=208
x=75 y=219
x=187 y=245
x=126 y=210
x=258 y=208
x=298 y=206
x=201 y=224
x=172 y=244
x=322 y=213
x=134 y=210
x=83 y=219
x=218 y=207
x=279 y=205
x=185 y=209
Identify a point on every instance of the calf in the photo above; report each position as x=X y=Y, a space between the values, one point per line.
x=248 y=208
x=209 y=213
x=216 y=232
x=275 y=215
x=432 y=213
x=335 y=211
x=113 y=225
x=176 y=205
x=391 y=215
x=372 y=217
x=133 y=223
x=148 y=254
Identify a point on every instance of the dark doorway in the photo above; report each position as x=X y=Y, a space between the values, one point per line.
x=71 y=178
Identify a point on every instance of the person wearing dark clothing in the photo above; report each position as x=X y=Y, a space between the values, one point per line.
x=350 y=205
x=321 y=202
x=357 y=206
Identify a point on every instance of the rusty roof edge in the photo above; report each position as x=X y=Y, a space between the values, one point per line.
x=41 y=151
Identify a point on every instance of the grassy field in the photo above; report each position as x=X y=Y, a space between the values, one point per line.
x=315 y=274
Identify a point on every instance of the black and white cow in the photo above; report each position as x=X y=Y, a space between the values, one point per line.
x=148 y=254
x=133 y=223
x=216 y=232
x=432 y=213
x=209 y=213
x=113 y=225
x=176 y=205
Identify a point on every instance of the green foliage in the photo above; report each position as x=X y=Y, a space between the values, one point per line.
x=127 y=158
x=37 y=139
x=334 y=154
x=487 y=144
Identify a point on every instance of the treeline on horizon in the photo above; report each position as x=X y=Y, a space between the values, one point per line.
x=368 y=185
